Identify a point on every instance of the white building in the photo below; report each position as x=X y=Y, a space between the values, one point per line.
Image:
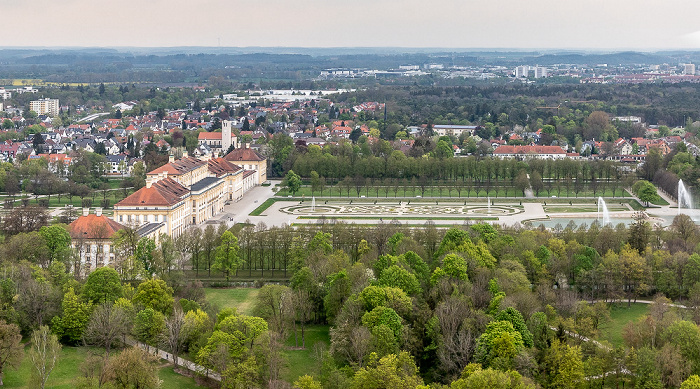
x=540 y=72
x=689 y=69
x=522 y=71
x=5 y=94
x=49 y=107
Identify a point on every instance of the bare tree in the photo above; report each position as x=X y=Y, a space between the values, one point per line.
x=44 y=351
x=108 y=326
x=173 y=338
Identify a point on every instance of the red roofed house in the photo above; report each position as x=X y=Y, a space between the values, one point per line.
x=91 y=237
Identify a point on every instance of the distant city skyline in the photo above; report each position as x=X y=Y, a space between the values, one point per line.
x=535 y=24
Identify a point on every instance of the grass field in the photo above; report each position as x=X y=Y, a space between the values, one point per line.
x=302 y=361
x=243 y=299
x=67 y=372
x=259 y=210
x=620 y=315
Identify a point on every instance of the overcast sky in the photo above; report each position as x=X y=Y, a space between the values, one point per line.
x=581 y=24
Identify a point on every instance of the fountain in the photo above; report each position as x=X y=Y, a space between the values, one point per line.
x=488 y=205
x=603 y=211
x=683 y=197
x=313 y=204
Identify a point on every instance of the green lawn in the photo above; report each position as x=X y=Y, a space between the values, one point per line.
x=259 y=210
x=67 y=371
x=620 y=315
x=243 y=299
x=302 y=361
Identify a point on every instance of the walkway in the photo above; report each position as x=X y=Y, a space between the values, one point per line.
x=187 y=364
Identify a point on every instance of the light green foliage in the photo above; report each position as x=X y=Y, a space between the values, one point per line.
x=156 y=294
x=398 y=277
x=148 y=325
x=500 y=340
x=196 y=324
x=455 y=267
x=384 y=316
x=453 y=238
x=249 y=326
x=693 y=382
x=307 y=382
x=292 y=182
x=76 y=315
x=339 y=287
x=474 y=377
x=102 y=285
x=188 y=305
x=495 y=303
x=145 y=250
x=227 y=257
x=417 y=264
x=511 y=315
x=383 y=262
x=394 y=242
x=221 y=350
x=564 y=366
x=686 y=336
x=57 y=240
x=646 y=191
x=486 y=231
x=394 y=298
x=321 y=243
x=390 y=372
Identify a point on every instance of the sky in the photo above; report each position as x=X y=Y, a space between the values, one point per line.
x=510 y=24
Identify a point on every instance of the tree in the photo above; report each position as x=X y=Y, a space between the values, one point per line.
x=693 y=382
x=173 y=337
x=109 y=323
x=308 y=382
x=57 y=240
x=292 y=182
x=645 y=191
x=24 y=219
x=76 y=315
x=227 y=258
x=474 y=377
x=43 y=352
x=102 y=286
x=156 y=294
x=394 y=371
x=564 y=366
x=148 y=326
x=133 y=368
x=11 y=349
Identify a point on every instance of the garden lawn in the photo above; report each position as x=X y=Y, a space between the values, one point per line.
x=620 y=315
x=300 y=362
x=243 y=299
x=67 y=371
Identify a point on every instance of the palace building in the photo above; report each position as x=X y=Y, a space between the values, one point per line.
x=190 y=191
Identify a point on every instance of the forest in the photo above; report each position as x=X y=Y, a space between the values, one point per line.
x=464 y=307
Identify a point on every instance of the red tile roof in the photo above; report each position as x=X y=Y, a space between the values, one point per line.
x=244 y=155
x=220 y=166
x=164 y=192
x=182 y=165
x=93 y=227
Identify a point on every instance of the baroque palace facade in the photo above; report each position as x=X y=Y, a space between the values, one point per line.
x=189 y=191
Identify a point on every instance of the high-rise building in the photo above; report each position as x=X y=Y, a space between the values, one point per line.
x=689 y=69
x=48 y=107
x=540 y=72
x=522 y=71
